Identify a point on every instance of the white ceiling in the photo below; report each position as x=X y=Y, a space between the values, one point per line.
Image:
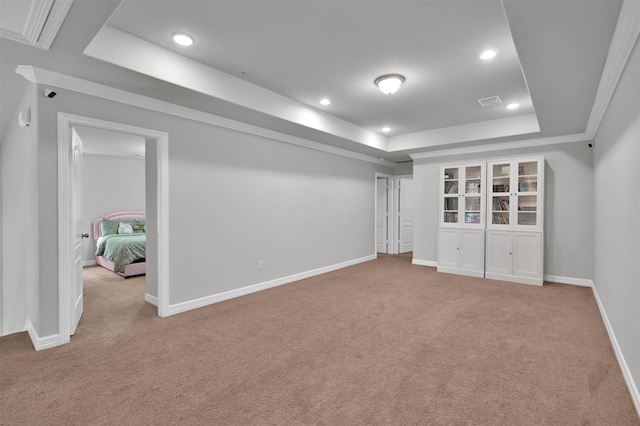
x=308 y=50
x=268 y=63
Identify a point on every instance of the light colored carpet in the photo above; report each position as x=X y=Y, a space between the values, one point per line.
x=380 y=343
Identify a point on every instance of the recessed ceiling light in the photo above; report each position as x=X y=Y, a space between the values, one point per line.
x=488 y=54
x=325 y=101
x=182 y=39
x=390 y=83
x=386 y=129
x=512 y=106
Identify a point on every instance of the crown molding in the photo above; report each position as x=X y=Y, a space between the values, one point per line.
x=622 y=43
x=528 y=143
x=53 y=23
x=64 y=81
x=42 y=24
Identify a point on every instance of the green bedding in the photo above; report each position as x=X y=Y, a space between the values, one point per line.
x=122 y=249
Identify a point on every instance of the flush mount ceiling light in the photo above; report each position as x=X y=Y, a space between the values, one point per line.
x=488 y=54
x=386 y=129
x=512 y=106
x=182 y=39
x=325 y=101
x=390 y=83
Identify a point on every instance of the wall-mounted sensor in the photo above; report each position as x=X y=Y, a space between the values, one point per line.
x=24 y=117
x=49 y=93
x=590 y=145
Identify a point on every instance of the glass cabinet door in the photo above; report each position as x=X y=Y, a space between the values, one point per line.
x=472 y=194
x=527 y=195
x=451 y=198
x=500 y=196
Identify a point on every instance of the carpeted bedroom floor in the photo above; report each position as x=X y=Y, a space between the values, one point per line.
x=380 y=343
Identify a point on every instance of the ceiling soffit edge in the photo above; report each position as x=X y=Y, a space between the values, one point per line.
x=125 y=50
x=64 y=81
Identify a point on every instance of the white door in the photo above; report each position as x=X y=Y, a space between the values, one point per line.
x=405 y=215
x=75 y=293
x=382 y=214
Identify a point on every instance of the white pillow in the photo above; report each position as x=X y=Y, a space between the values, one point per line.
x=125 y=228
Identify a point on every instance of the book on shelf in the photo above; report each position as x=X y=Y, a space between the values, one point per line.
x=473 y=187
x=499 y=219
x=501 y=188
x=451 y=188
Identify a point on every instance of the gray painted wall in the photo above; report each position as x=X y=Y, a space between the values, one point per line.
x=568 y=208
x=109 y=184
x=234 y=199
x=617 y=211
x=20 y=216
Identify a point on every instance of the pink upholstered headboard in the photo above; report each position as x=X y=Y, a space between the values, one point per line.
x=115 y=216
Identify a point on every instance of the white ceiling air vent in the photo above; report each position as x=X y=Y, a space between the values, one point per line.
x=492 y=100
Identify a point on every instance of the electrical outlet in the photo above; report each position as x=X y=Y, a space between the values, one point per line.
x=260 y=264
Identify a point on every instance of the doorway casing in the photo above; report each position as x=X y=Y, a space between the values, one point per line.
x=65 y=205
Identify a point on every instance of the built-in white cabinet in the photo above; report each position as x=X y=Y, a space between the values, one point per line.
x=462 y=219
x=491 y=226
x=514 y=256
x=461 y=251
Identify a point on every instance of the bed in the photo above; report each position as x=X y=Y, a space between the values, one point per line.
x=121 y=248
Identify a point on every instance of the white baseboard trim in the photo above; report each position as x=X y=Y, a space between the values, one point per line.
x=421 y=262
x=626 y=373
x=151 y=299
x=89 y=263
x=568 y=280
x=40 y=343
x=220 y=297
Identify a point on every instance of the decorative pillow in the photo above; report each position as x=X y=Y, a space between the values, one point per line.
x=125 y=228
x=108 y=227
x=138 y=225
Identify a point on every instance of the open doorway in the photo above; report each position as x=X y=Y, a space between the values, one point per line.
x=384 y=218
x=394 y=214
x=112 y=181
x=70 y=223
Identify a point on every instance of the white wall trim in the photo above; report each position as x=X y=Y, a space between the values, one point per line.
x=626 y=373
x=420 y=262
x=40 y=343
x=624 y=38
x=42 y=24
x=220 y=297
x=568 y=280
x=151 y=299
x=63 y=81
x=88 y=263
